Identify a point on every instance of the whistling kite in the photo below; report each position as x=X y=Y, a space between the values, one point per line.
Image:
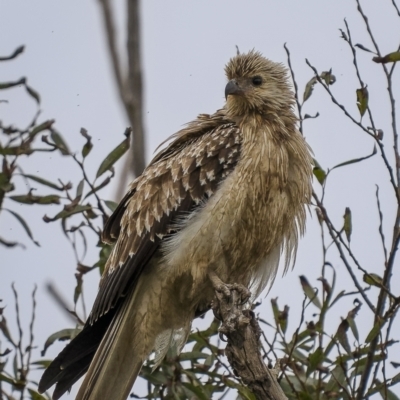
x=228 y=197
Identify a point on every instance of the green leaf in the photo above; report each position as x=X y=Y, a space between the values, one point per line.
x=33 y=93
x=40 y=128
x=15 y=53
x=347 y=224
x=43 y=182
x=374 y=332
x=23 y=224
x=310 y=292
x=362 y=100
x=112 y=205
x=67 y=213
x=309 y=88
x=64 y=334
x=60 y=143
x=351 y=319
x=113 y=157
x=99 y=187
x=283 y=319
x=341 y=335
x=15 y=150
x=79 y=189
x=32 y=199
x=355 y=160
x=373 y=280
x=5 y=184
x=8 y=379
x=7 y=85
x=337 y=380
x=319 y=173
x=196 y=391
x=396 y=378
x=87 y=147
x=78 y=287
x=360 y=46
x=35 y=395
x=275 y=310
x=386 y=393
x=328 y=77
x=43 y=364
x=391 y=57
x=316 y=358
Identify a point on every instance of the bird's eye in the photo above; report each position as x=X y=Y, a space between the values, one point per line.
x=257 y=81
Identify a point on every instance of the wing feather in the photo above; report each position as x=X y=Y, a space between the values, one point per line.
x=178 y=179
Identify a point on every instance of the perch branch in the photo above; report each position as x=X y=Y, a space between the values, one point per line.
x=242 y=331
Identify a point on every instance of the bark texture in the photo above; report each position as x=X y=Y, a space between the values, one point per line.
x=242 y=332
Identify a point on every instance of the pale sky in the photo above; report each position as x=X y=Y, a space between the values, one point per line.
x=185 y=45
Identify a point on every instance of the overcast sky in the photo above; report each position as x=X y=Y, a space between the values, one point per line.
x=185 y=45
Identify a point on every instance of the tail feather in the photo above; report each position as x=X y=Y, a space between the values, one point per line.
x=71 y=376
x=75 y=359
x=121 y=354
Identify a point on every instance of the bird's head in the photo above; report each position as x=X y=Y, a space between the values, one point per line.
x=256 y=85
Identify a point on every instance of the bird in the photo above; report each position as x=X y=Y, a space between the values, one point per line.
x=227 y=197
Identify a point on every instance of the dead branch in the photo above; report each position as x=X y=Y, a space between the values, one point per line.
x=129 y=86
x=242 y=331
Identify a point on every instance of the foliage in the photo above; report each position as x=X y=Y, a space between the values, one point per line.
x=315 y=361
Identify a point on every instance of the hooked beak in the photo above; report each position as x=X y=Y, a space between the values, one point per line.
x=232 y=88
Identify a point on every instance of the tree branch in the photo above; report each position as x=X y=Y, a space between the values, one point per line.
x=129 y=86
x=135 y=100
x=243 y=332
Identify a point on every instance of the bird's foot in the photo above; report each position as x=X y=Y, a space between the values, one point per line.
x=228 y=305
x=239 y=293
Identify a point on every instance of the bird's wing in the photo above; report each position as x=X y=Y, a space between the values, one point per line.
x=178 y=180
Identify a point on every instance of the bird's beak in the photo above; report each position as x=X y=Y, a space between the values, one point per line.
x=232 y=88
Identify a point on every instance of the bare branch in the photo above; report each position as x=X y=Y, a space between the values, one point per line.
x=135 y=101
x=242 y=331
x=112 y=46
x=129 y=87
x=360 y=125
x=296 y=89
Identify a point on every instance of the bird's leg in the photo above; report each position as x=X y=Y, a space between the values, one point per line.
x=241 y=331
x=229 y=303
x=239 y=292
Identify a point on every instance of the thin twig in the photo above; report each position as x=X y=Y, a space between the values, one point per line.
x=129 y=87
x=333 y=234
x=112 y=46
x=377 y=141
x=296 y=89
x=381 y=234
x=353 y=50
x=395 y=6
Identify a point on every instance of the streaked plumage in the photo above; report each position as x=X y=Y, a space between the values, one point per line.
x=228 y=194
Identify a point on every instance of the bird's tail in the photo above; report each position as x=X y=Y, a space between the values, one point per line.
x=122 y=352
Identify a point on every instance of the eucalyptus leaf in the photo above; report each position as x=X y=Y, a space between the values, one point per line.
x=310 y=292
x=347 y=224
x=391 y=57
x=60 y=143
x=113 y=157
x=23 y=224
x=67 y=213
x=64 y=334
x=33 y=93
x=355 y=160
x=309 y=88
x=362 y=99
x=42 y=181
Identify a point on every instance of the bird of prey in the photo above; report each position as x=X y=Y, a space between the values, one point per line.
x=228 y=196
